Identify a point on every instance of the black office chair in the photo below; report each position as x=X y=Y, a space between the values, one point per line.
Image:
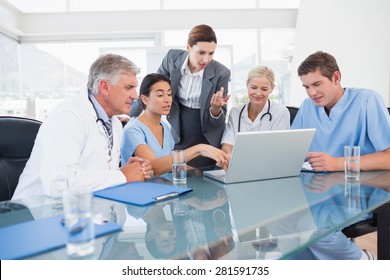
x=17 y=137
x=293 y=111
x=361 y=228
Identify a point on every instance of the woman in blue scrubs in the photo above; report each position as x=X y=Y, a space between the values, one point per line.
x=150 y=138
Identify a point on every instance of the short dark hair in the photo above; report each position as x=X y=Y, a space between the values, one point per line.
x=148 y=82
x=201 y=33
x=322 y=61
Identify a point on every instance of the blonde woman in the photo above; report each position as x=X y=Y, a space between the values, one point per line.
x=260 y=113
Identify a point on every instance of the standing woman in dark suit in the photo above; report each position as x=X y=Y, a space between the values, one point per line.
x=199 y=91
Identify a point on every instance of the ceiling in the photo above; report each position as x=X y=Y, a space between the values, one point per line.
x=47 y=6
x=37 y=20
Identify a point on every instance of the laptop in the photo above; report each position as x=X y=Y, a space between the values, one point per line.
x=265 y=155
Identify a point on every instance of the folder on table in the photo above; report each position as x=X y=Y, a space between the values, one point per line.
x=141 y=193
x=39 y=236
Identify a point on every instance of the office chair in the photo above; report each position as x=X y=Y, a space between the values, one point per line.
x=361 y=228
x=293 y=111
x=17 y=139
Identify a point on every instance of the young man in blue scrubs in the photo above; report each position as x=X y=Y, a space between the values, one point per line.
x=341 y=116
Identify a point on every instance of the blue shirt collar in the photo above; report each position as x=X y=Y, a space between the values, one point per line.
x=101 y=114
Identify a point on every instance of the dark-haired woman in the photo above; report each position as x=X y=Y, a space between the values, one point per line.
x=148 y=136
x=199 y=92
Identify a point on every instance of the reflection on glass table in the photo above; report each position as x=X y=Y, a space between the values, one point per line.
x=270 y=219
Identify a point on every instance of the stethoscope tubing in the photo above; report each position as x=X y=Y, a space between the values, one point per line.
x=261 y=118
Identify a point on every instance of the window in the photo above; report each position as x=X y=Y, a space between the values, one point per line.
x=34 y=78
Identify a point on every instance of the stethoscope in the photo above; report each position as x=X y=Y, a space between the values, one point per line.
x=99 y=120
x=261 y=118
x=101 y=123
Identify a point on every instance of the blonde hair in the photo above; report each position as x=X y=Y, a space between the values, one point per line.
x=262 y=71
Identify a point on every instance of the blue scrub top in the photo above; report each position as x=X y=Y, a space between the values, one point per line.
x=359 y=118
x=136 y=133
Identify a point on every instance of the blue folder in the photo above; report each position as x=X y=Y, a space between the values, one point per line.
x=141 y=193
x=34 y=237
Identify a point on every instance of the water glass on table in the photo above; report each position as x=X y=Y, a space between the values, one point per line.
x=352 y=162
x=179 y=167
x=79 y=223
x=58 y=183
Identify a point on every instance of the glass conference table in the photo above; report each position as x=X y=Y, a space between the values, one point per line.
x=270 y=219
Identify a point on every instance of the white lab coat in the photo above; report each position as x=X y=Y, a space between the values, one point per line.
x=72 y=144
x=280 y=121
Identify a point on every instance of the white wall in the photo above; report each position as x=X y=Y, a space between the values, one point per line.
x=356 y=32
